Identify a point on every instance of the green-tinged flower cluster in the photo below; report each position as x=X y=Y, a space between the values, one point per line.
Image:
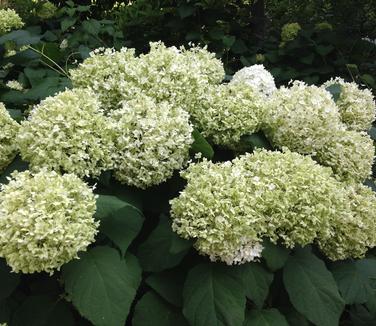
x=9 y=20
x=306 y=120
x=349 y=153
x=165 y=73
x=14 y=84
x=47 y=10
x=45 y=220
x=9 y=128
x=151 y=140
x=227 y=112
x=257 y=77
x=354 y=231
x=301 y=117
x=228 y=206
x=289 y=32
x=68 y=133
x=356 y=106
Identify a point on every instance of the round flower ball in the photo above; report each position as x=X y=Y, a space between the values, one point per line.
x=9 y=20
x=356 y=106
x=301 y=117
x=353 y=232
x=229 y=111
x=45 y=220
x=9 y=129
x=68 y=133
x=349 y=153
x=152 y=140
x=289 y=32
x=256 y=77
x=215 y=211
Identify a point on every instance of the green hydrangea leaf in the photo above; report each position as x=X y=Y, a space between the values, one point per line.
x=163 y=249
x=169 y=285
x=267 y=317
x=256 y=281
x=275 y=256
x=312 y=289
x=200 y=145
x=213 y=296
x=335 y=90
x=152 y=310
x=354 y=279
x=43 y=310
x=102 y=285
x=8 y=281
x=119 y=221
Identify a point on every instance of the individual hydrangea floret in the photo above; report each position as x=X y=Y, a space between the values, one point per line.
x=9 y=20
x=356 y=106
x=151 y=140
x=45 y=220
x=353 y=232
x=165 y=73
x=15 y=85
x=9 y=129
x=301 y=118
x=228 y=208
x=289 y=32
x=349 y=153
x=256 y=77
x=229 y=111
x=68 y=133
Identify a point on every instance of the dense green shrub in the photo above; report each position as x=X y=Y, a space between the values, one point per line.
x=189 y=196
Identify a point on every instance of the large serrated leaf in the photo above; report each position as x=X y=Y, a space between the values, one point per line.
x=119 y=221
x=152 y=310
x=312 y=289
x=163 y=249
x=213 y=296
x=102 y=285
x=266 y=317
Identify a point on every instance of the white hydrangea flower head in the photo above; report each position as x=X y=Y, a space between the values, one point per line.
x=110 y=74
x=213 y=210
x=152 y=140
x=353 y=232
x=9 y=20
x=295 y=195
x=15 y=85
x=256 y=77
x=45 y=220
x=68 y=132
x=228 y=208
x=301 y=117
x=9 y=129
x=229 y=111
x=349 y=153
x=165 y=73
x=357 y=106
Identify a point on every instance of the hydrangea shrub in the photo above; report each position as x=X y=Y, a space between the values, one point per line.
x=153 y=192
